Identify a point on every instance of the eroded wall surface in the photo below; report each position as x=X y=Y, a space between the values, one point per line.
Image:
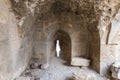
x=15 y=41
x=28 y=29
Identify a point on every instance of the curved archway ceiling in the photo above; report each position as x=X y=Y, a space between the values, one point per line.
x=88 y=10
x=60 y=8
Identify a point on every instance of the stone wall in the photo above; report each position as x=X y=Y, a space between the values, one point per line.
x=28 y=28
x=110 y=51
x=15 y=40
x=73 y=19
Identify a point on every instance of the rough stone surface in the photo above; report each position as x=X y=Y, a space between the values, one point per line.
x=45 y=66
x=78 y=61
x=85 y=28
x=84 y=77
x=115 y=69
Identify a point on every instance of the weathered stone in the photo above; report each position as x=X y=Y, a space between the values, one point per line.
x=114 y=33
x=86 y=28
x=45 y=66
x=34 y=65
x=115 y=69
x=84 y=77
x=78 y=61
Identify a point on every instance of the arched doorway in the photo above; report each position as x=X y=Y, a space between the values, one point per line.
x=64 y=44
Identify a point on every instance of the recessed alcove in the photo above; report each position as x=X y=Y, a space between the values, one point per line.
x=81 y=43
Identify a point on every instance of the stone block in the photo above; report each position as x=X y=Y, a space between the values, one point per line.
x=44 y=66
x=115 y=69
x=78 y=61
x=84 y=77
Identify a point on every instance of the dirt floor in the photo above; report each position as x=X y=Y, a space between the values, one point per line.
x=58 y=70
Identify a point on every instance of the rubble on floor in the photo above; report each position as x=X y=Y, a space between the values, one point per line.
x=59 y=70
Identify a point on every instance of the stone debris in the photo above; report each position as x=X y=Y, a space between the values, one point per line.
x=115 y=69
x=34 y=65
x=78 y=61
x=84 y=77
x=59 y=71
x=45 y=66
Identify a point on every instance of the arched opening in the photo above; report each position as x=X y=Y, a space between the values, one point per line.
x=61 y=41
